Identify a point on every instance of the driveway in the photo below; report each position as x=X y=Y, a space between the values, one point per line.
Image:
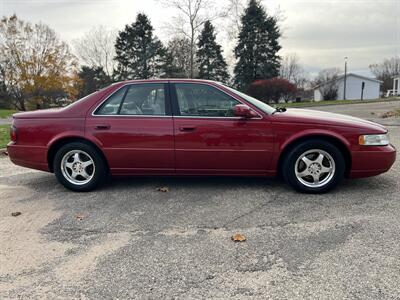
x=129 y=240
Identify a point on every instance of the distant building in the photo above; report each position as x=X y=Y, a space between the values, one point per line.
x=396 y=87
x=354 y=88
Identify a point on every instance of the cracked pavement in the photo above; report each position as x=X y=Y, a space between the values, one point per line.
x=128 y=240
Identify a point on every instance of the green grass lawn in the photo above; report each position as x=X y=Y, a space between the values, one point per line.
x=4 y=135
x=5 y=113
x=333 y=102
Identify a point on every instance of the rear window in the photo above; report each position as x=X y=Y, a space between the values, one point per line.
x=112 y=104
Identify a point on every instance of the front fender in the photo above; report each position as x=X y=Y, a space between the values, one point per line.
x=313 y=133
x=284 y=141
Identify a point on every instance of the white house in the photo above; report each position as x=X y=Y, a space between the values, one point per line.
x=357 y=87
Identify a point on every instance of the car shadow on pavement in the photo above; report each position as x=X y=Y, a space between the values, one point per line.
x=46 y=182
x=192 y=182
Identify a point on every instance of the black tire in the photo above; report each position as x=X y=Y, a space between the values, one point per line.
x=293 y=160
x=99 y=170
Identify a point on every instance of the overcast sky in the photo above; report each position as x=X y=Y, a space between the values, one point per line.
x=321 y=32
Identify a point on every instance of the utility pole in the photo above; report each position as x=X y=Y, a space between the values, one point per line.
x=362 y=90
x=345 y=78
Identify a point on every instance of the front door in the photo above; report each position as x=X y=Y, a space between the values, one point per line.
x=209 y=139
x=135 y=128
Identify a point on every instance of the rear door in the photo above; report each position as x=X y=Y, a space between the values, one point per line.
x=209 y=139
x=135 y=128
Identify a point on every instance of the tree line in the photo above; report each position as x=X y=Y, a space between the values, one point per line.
x=38 y=69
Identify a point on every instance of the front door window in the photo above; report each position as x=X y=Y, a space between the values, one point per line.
x=200 y=100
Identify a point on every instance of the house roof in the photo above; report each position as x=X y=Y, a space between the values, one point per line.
x=348 y=75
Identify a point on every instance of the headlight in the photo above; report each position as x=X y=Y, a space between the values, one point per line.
x=374 y=140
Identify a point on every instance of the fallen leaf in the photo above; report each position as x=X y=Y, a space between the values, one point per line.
x=79 y=217
x=238 y=238
x=16 y=214
x=389 y=114
x=163 y=189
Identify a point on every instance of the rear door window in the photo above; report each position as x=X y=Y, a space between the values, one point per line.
x=136 y=100
x=144 y=99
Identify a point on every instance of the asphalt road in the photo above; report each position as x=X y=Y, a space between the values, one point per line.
x=128 y=240
x=371 y=111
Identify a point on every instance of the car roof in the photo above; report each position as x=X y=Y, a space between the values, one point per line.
x=186 y=80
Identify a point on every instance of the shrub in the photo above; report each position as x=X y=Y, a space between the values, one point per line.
x=272 y=90
x=330 y=91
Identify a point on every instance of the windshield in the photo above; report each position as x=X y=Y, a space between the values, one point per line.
x=257 y=103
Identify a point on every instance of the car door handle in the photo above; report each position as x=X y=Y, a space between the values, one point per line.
x=103 y=127
x=187 y=128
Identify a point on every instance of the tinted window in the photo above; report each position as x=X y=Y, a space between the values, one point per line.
x=111 y=106
x=135 y=99
x=203 y=100
x=144 y=99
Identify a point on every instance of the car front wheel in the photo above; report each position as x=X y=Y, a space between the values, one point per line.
x=79 y=167
x=314 y=166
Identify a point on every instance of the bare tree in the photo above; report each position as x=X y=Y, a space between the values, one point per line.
x=386 y=70
x=179 y=48
x=233 y=14
x=327 y=82
x=292 y=70
x=97 y=48
x=192 y=14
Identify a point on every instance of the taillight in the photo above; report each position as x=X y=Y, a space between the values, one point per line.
x=13 y=133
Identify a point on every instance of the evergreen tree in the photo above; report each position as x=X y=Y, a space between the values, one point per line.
x=4 y=102
x=212 y=65
x=139 y=54
x=257 y=47
x=92 y=79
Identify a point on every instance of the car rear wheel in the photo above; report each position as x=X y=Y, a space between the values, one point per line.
x=79 y=167
x=314 y=166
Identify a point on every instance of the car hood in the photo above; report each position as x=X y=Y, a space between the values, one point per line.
x=308 y=116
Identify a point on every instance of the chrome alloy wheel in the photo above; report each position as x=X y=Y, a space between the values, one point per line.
x=78 y=167
x=315 y=168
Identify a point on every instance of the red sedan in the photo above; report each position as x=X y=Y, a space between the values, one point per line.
x=195 y=127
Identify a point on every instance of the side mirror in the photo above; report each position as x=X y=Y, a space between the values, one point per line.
x=241 y=110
